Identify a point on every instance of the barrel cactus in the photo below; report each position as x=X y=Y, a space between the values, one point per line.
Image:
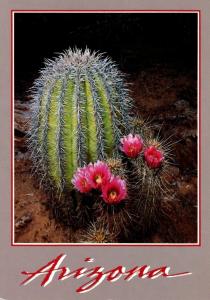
x=81 y=109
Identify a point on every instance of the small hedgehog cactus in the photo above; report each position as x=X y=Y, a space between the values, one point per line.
x=81 y=110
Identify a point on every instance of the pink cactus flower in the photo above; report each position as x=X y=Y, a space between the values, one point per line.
x=114 y=191
x=98 y=174
x=153 y=157
x=132 y=145
x=80 y=180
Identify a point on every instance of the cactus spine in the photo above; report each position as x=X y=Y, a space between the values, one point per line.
x=80 y=111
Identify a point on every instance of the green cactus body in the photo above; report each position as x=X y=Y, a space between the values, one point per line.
x=90 y=123
x=80 y=112
x=69 y=131
x=106 y=115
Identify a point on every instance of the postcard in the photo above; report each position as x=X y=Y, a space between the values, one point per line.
x=104 y=163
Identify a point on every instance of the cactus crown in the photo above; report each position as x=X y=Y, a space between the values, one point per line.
x=81 y=109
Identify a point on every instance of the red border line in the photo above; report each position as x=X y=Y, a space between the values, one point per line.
x=198 y=11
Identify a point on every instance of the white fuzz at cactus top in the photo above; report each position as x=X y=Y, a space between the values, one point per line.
x=80 y=59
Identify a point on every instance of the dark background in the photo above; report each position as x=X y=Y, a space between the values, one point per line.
x=134 y=40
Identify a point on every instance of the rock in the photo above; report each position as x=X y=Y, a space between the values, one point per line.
x=21 y=124
x=23 y=221
x=21 y=114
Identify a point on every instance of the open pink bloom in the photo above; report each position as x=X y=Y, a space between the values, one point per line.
x=131 y=145
x=98 y=174
x=80 y=180
x=114 y=191
x=153 y=157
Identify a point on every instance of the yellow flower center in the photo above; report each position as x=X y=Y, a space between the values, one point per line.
x=112 y=195
x=84 y=183
x=131 y=149
x=98 y=179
